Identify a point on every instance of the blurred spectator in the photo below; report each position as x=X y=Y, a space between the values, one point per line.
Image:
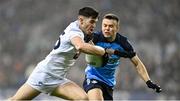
x=29 y=27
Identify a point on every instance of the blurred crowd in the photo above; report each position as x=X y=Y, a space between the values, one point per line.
x=29 y=29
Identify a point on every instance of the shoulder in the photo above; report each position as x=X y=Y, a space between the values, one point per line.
x=98 y=36
x=74 y=30
x=74 y=26
x=97 y=33
x=124 y=42
x=121 y=38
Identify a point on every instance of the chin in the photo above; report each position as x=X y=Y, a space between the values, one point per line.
x=89 y=33
x=107 y=36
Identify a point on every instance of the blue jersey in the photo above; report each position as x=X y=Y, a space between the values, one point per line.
x=106 y=74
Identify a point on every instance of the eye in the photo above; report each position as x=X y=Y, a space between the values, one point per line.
x=92 y=21
x=111 y=26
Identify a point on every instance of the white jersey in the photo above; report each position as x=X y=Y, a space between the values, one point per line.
x=61 y=57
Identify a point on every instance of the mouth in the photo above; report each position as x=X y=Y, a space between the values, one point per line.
x=91 y=30
x=107 y=33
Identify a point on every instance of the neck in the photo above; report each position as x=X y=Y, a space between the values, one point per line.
x=110 y=39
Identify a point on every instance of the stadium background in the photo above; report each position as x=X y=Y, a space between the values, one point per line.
x=29 y=29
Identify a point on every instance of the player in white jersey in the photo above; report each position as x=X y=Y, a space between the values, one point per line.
x=49 y=75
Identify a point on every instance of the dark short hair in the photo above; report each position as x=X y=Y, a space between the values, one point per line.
x=111 y=16
x=88 y=12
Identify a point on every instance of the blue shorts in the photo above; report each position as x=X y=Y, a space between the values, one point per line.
x=93 y=83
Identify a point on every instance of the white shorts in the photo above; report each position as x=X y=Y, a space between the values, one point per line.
x=45 y=82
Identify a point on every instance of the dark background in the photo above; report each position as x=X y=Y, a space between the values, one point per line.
x=29 y=29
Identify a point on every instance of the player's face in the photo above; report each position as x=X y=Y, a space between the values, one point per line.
x=88 y=25
x=109 y=28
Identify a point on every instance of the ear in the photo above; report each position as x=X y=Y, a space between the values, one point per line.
x=118 y=26
x=80 y=18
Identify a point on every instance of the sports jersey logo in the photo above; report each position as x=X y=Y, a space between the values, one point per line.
x=88 y=81
x=94 y=81
x=40 y=83
x=112 y=61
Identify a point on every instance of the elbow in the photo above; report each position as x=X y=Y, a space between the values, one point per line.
x=135 y=60
x=79 y=47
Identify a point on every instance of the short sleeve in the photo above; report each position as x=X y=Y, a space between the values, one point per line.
x=125 y=44
x=74 y=33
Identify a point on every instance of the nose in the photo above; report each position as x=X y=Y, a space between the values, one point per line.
x=107 y=28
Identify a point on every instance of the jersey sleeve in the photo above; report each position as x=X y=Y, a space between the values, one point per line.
x=74 y=33
x=97 y=36
x=126 y=44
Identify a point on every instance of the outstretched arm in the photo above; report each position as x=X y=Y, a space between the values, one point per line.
x=141 y=69
x=86 y=47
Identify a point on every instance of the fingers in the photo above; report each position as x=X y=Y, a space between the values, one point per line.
x=158 y=89
x=110 y=51
x=150 y=84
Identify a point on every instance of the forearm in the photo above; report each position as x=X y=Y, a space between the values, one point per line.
x=141 y=69
x=142 y=72
x=86 y=47
x=91 y=49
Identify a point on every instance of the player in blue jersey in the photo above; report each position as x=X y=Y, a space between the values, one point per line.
x=49 y=76
x=99 y=81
